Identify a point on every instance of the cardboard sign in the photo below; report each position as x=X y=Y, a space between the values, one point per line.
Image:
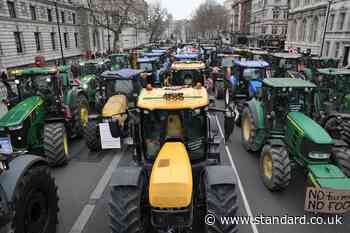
x=327 y=201
x=107 y=141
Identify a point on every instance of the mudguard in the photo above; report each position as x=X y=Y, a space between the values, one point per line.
x=257 y=113
x=126 y=176
x=18 y=167
x=220 y=175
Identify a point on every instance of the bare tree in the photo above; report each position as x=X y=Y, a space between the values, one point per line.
x=210 y=18
x=114 y=15
x=158 y=19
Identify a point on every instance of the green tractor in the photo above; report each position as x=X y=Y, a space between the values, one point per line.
x=312 y=64
x=120 y=61
x=47 y=115
x=277 y=124
x=28 y=194
x=332 y=101
x=286 y=64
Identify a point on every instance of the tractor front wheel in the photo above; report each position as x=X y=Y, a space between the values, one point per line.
x=248 y=132
x=35 y=202
x=220 y=200
x=341 y=157
x=128 y=209
x=275 y=168
x=92 y=136
x=56 y=144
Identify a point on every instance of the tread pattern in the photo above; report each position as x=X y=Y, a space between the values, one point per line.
x=281 y=168
x=92 y=136
x=54 y=144
x=36 y=177
x=125 y=210
x=221 y=200
x=346 y=131
x=341 y=156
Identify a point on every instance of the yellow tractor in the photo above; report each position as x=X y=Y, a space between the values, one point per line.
x=177 y=178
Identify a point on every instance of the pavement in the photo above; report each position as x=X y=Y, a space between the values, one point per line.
x=84 y=191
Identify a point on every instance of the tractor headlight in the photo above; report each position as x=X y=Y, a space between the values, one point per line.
x=85 y=86
x=48 y=80
x=319 y=155
x=16 y=127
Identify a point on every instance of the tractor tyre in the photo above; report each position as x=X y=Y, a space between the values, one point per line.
x=219 y=92
x=275 y=168
x=220 y=200
x=341 y=157
x=346 y=131
x=35 y=202
x=248 y=131
x=80 y=115
x=128 y=209
x=92 y=136
x=333 y=128
x=56 y=144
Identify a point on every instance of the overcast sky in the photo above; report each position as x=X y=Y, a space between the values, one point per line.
x=181 y=9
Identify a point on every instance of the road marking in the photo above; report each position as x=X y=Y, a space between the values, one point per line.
x=88 y=209
x=241 y=189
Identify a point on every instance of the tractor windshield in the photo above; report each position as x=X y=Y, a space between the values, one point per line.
x=188 y=126
x=254 y=74
x=119 y=60
x=37 y=84
x=186 y=77
x=123 y=86
x=227 y=61
x=148 y=67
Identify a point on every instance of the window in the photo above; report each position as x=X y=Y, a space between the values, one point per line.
x=314 y=30
x=275 y=13
x=66 y=40
x=63 y=18
x=32 y=12
x=53 y=40
x=37 y=36
x=331 y=22
x=274 y=30
x=73 y=18
x=337 y=47
x=11 y=7
x=1 y=51
x=341 y=21
x=18 y=41
x=263 y=29
x=76 y=39
x=285 y=14
x=49 y=15
x=327 y=48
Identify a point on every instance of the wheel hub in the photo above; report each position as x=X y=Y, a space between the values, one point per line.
x=36 y=214
x=65 y=144
x=267 y=163
x=84 y=116
x=246 y=128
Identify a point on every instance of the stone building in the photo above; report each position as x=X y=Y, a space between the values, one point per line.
x=268 y=23
x=306 y=28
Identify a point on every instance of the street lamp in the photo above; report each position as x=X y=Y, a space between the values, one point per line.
x=59 y=33
x=325 y=26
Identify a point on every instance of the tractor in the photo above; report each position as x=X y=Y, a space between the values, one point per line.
x=28 y=194
x=177 y=177
x=242 y=83
x=312 y=64
x=48 y=114
x=117 y=91
x=277 y=123
x=119 y=61
x=332 y=101
x=286 y=64
x=152 y=67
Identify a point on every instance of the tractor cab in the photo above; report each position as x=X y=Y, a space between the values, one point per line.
x=117 y=91
x=151 y=66
x=187 y=73
x=312 y=64
x=93 y=67
x=177 y=173
x=286 y=65
x=119 y=61
x=258 y=54
x=188 y=57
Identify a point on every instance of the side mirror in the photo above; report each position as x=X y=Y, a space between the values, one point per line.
x=229 y=123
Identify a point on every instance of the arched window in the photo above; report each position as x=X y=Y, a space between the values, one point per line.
x=302 y=30
x=314 y=30
x=293 y=30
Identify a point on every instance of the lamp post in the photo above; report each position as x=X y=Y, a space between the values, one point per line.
x=59 y=33
x=108 y=35
x=325 y=26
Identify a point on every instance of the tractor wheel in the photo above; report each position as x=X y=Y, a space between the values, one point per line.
x=92 y=136
x=56 y=144
x=35 y=202
x=341 y=157
x=128 y=209
x=80 y=115
x=248 y=131
x=275 y=168
x=333 y=128
x=219 y=92
x=346 y=131
x=220 y=200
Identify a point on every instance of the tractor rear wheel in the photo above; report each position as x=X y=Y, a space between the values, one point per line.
x=275 y=168
x=128 y=209
x=56 y=144
x=248 y=131
x=341 y=157
x=221 y=200
x=80 y=115
x=346 y=131
x=35 y=202
x=92 y=136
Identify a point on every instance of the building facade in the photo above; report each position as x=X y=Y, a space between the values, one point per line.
x=306 y=30
x=268 y=23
